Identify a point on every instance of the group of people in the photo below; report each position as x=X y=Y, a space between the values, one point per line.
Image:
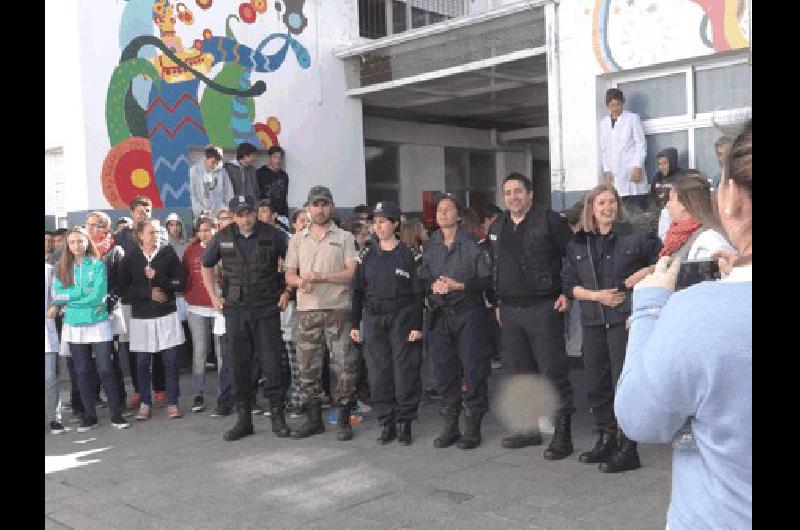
x=277 y=303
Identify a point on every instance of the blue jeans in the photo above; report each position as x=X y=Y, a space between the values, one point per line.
x=82 y=356
x=51 y=396
x=144 y=360
x=200 y=328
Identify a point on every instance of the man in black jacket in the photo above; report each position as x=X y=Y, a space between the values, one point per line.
x=528 y=244
x=253 y=293
x=273 y=184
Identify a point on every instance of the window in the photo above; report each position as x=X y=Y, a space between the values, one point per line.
x=472 y=175
x=380 y=18
x=689 y=107
x=657 y=97
x=382 y=175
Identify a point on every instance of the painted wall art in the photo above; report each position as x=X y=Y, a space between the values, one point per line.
x=179 y=85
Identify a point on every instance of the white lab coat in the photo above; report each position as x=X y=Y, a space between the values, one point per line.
x=622 y=148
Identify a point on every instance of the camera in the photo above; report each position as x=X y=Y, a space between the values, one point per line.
x=696 y=271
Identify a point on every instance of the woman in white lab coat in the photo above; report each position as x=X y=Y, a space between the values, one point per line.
x=623 y=150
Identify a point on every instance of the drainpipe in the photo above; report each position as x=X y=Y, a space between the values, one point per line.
x=557 y=171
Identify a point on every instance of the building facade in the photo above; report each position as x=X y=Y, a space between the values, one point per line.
x=389 y=99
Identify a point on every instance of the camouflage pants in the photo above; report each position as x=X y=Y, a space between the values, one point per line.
x=315 y=330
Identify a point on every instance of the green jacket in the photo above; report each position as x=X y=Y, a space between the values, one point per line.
x=85 y=298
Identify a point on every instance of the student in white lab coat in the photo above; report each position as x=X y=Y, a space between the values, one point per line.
x=623 y=150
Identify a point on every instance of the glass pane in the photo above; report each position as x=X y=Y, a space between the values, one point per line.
x=455 y=169
x=705 y=155
x=482 y=174
x=382 y=194
x=372 y=18
x=657 y=142
x=399 y=23
x=656 y=98
x=730 y=87
x=381 y=163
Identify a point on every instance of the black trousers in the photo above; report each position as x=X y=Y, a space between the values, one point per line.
x=603 y=358
x=533 y=342
x=392 y=365
x=256 y=332
x=460 y=344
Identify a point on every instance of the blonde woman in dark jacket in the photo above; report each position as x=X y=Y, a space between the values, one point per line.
x=604 y=260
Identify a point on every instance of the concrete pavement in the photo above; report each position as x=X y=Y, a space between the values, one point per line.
x=180 y=474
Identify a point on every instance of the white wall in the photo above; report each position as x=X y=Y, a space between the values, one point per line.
x=63 y=101
x=421 y=167
x=406 y=132
x=320 y=126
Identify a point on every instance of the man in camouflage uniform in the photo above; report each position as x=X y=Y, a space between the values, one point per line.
x=320 y=263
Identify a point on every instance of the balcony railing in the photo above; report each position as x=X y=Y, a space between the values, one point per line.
x=380 y=18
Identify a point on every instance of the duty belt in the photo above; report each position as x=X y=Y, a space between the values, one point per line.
x=377 y=307
x=454 y=310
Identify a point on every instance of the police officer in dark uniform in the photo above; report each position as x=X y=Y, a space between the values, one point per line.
x=528 y=244
x=387 y=290
x=456 y=272
x=253 y=293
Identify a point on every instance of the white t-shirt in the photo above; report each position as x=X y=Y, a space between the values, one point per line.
x=708 y=242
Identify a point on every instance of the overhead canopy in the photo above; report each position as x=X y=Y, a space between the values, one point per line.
x=487 y=71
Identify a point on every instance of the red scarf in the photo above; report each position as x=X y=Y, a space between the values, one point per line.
x=102 y=243
x=677 y=235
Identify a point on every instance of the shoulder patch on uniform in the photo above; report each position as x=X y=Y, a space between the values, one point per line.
x=493 y=237
x=401 y=272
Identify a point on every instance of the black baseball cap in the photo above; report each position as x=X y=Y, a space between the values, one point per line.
x=386 y=209
x=455 y=198
x=241 y=203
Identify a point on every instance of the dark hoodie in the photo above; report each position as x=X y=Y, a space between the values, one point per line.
x=660 y=183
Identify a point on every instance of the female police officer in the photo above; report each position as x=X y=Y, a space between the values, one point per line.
x=386 y=289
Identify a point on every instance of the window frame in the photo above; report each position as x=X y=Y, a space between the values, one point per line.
x=692 y=120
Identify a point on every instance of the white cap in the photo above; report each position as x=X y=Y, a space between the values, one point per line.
x=173 y=217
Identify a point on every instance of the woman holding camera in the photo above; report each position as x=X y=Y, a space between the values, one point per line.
x=690 y=355
x=604 y=261
x=82 y=285
x=150 y=275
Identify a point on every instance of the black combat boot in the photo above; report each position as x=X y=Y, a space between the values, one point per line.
x=472 y=434
x=522 y=439
x=450 y=434
x=561 y=445
x=345 y=430
x=388 y=434
x=606 y=445
x=404 y=432
x=278 y=419
x=244 y=424
x=626 y=458
x=313 y=424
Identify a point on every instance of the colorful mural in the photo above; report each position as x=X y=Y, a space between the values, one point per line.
x=632 y=33
x=155 y=111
